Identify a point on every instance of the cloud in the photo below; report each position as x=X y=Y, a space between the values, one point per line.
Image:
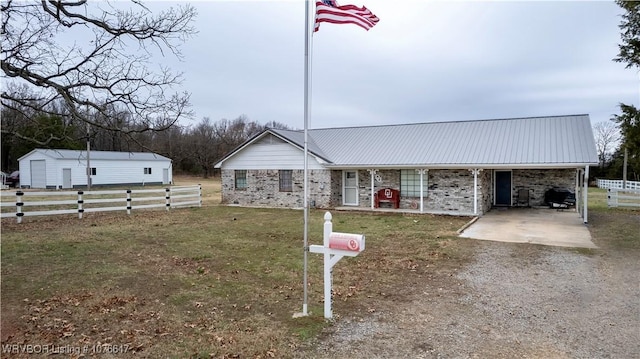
x=424 y=61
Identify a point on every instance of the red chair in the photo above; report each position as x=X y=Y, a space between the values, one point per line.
x=387 y=195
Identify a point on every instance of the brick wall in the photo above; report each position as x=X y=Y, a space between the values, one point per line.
x=539 y=181
x=389 y=179
x=449 y=191
x=485 y=191
x=336 y=189
x=263 y=189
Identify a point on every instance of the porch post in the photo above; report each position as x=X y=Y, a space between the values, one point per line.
x=475 y=172
x=422 y=171
x=576 y=191
x=585 y=194
x=373 y=173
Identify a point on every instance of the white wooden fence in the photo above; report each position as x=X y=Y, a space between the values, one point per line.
x=605 y=183
x=80 y=202
x=623 y=197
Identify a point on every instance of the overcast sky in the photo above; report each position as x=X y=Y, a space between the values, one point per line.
x=424 y=61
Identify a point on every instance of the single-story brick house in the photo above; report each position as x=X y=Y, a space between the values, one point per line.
x=462 y=168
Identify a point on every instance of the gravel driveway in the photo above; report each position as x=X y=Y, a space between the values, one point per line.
x=512 y=300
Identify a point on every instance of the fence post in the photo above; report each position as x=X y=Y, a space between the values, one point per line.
x=167 y=196
x=80 y=204
x=200 y=194
x=19 y=205
x=612 y=197
x=128 y=201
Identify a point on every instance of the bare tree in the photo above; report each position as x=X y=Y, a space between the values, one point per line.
x=276 y=125
x=94 y=57
x=203 y=143
x=606 y=135
x=232 y=133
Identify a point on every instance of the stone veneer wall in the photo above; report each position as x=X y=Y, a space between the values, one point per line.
x=449 y=191
x=336 y=188
x=389 y=179
x=263 y=189
x=485 y=192
x=539 y=181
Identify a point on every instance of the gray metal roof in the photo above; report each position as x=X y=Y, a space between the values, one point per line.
x=99 y=155
x=533 y=141
x=297 y=137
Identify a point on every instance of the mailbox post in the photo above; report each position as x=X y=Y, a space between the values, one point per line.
x=335 y=246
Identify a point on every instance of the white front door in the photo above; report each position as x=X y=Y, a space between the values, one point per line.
x=350 y=188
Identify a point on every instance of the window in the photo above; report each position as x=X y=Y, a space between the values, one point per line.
x=147 y=170
x=93 y=171
x=286 y=180
x=241 y=179
x=410 y=183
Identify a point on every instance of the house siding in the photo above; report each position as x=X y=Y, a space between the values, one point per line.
x=270 y=153
x=108 y=172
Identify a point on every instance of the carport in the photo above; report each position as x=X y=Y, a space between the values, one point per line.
x=544 y=226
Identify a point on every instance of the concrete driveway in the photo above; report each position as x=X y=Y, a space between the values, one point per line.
x=531 y=225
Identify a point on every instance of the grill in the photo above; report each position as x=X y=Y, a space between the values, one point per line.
x=560 y=198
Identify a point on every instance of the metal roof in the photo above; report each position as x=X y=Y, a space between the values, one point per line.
x=99 y=155
x=532 y=141
x=297 y=138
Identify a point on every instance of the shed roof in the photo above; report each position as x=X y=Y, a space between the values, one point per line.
x=99 y=155
x=552 y=141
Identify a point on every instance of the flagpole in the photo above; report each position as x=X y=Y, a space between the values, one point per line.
x=358 y=16
x=307 y=115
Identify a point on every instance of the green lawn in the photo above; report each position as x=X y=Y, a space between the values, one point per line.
x=193 y=282
x=613 y=228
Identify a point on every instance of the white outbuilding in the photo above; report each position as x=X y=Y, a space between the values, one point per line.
x=56 y=169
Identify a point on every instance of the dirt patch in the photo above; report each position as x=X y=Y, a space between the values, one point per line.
x=510 y=301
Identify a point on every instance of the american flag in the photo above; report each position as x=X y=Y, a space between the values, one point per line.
x=330 y=11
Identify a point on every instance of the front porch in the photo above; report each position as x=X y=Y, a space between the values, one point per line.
x=459 y=192
x=407 y=211
x=464 y=192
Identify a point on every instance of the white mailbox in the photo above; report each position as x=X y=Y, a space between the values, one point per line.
x=346 y=241
x=335 y=245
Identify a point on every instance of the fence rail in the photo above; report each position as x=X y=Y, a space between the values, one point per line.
x=605 y=183
x=623 y=197
x=80 y=202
